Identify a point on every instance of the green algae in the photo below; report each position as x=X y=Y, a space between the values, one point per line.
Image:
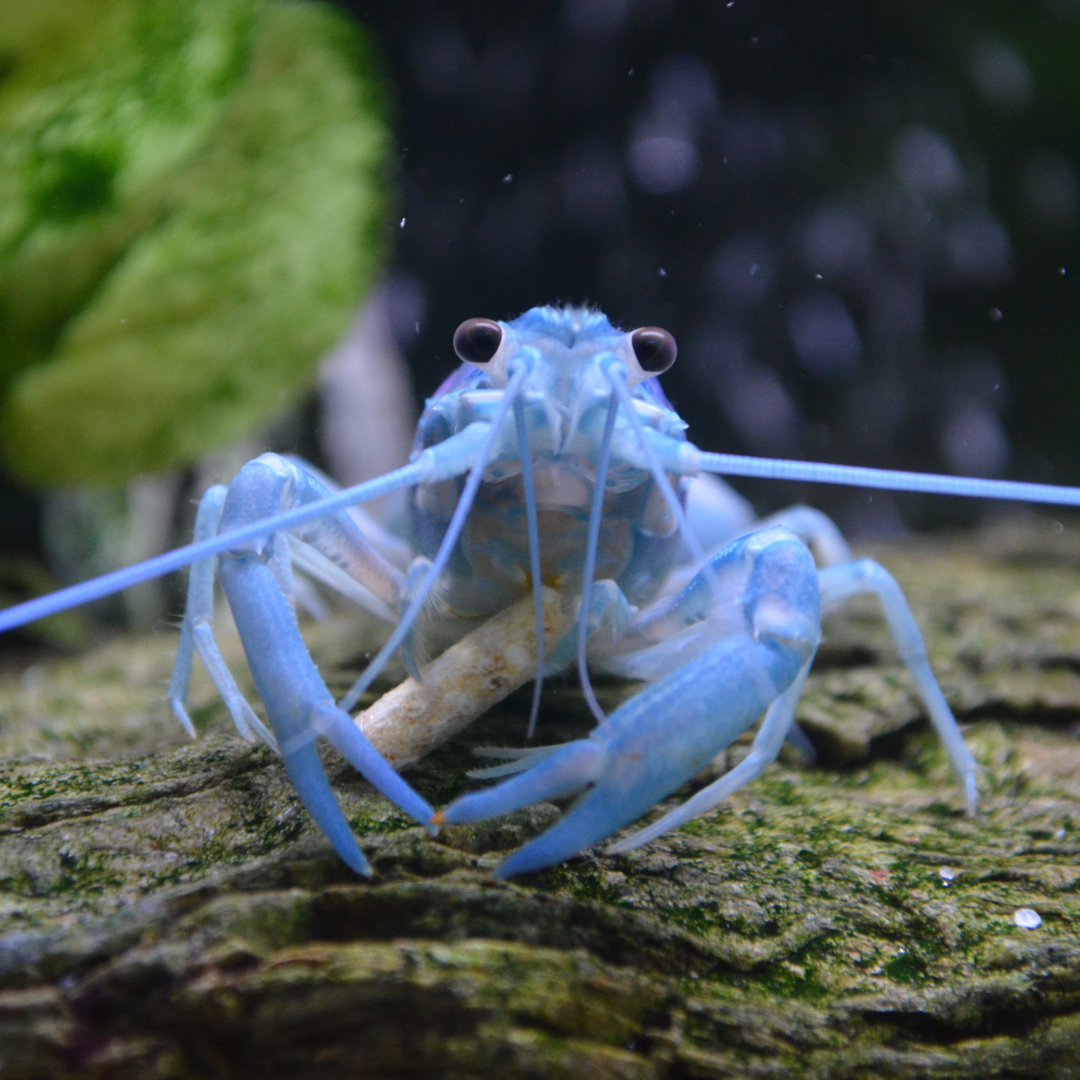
x=171 y=910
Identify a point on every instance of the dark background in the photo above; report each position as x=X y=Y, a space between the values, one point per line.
x=859 y=219
x=861 y=227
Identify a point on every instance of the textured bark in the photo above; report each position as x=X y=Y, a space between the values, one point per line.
x=167 y=909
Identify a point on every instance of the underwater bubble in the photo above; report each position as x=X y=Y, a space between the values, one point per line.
x=1001 y=74
x=824 y=336
x=683 y=84
x=979 y=247
x=759 y=409
x=974 y=441
x=836 y=239
x=663 y=164
x=925 y=163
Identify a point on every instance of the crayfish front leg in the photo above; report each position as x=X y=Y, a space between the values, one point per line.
x=298 y=703
x=730 y=652
x=743 y=652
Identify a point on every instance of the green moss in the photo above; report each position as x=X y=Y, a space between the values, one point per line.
x=797 y=979
x=375 y=820
x=583 y=882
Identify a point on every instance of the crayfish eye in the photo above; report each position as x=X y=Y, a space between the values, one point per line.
x=654 y=348
x=476 y=341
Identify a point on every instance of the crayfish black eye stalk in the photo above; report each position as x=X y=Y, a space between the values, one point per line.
x=476 y=341
x=654 y=348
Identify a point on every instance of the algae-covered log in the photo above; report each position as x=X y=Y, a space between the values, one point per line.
x=169 y=910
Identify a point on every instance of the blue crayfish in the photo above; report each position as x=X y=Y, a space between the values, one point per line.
x=550 y=476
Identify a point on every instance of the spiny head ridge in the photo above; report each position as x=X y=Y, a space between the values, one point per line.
x=570 y=326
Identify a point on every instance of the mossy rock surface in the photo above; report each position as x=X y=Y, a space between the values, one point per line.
x=167 y=909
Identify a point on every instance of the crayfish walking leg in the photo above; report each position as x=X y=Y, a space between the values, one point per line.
x=255 y=577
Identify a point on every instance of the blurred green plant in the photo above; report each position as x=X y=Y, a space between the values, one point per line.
x=192 y=199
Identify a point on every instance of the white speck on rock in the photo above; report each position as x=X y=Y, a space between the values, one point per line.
x=1027 y=918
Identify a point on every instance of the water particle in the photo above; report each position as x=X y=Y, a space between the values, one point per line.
x=402 y=225
x=995 y=314
x=508 y=178
x=662 y=272
x=948 y=874
x=1027 y=918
